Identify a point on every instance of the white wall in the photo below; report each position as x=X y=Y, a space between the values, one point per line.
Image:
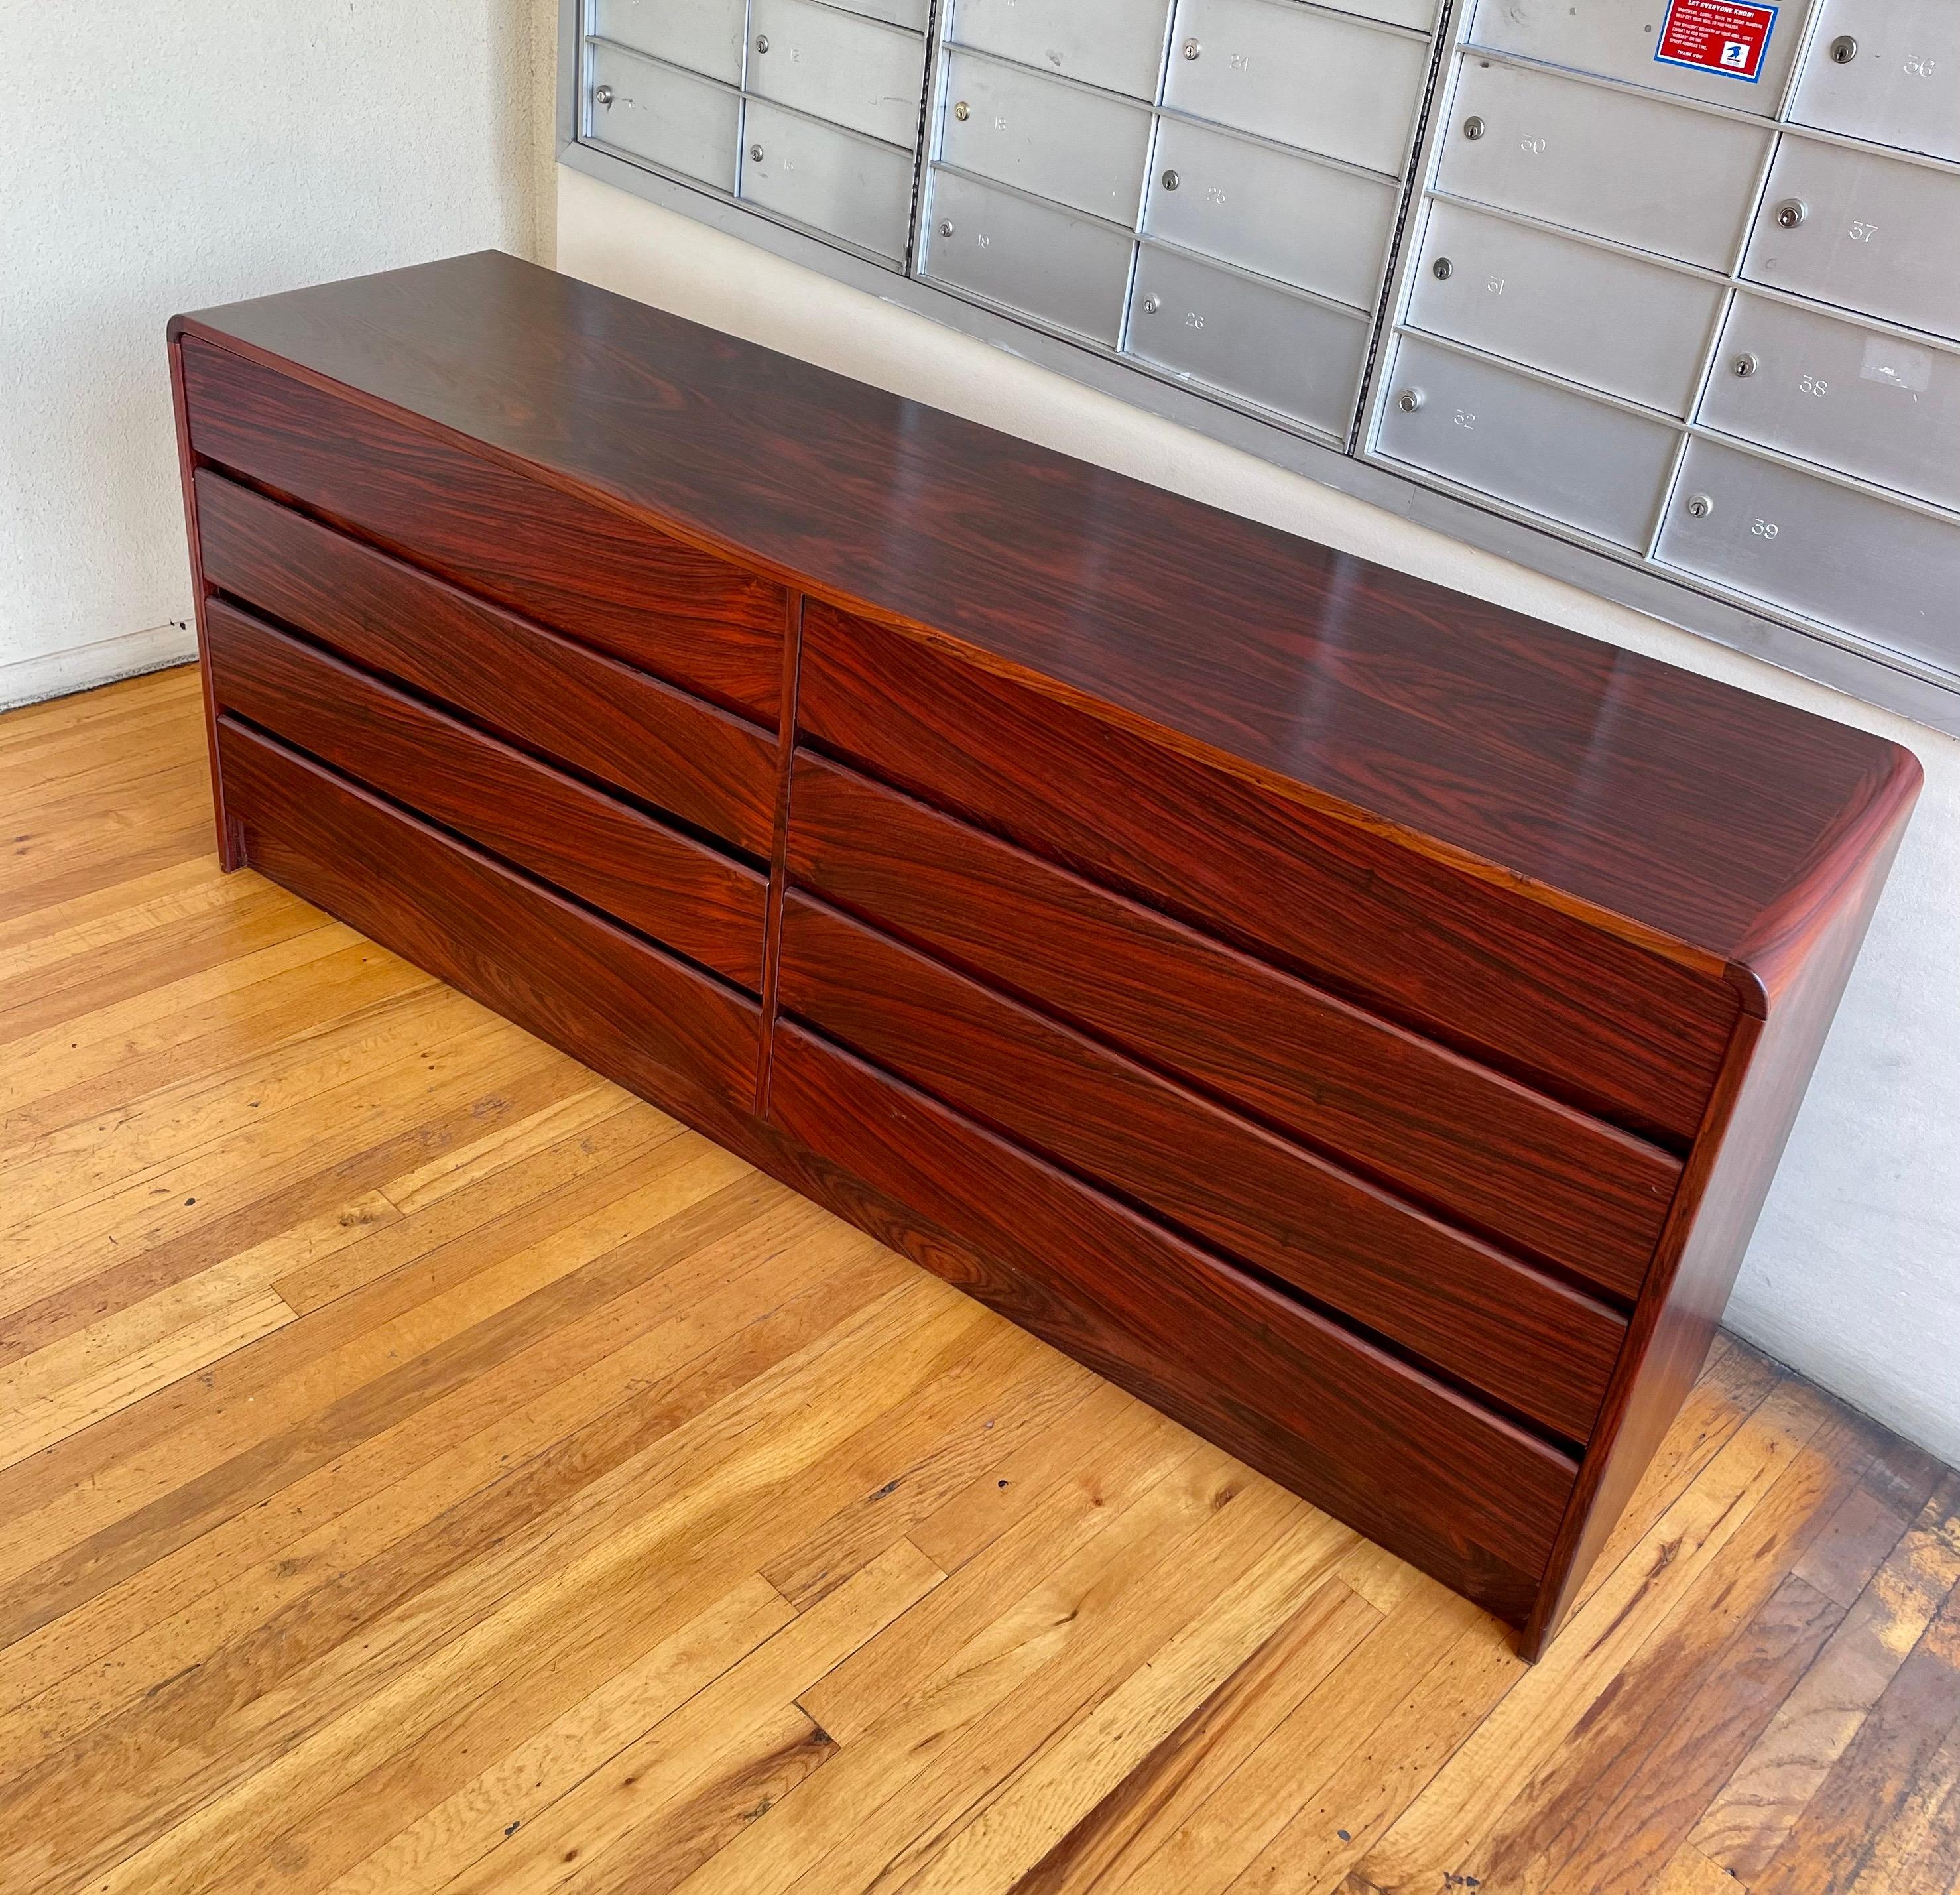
x=157 y=155
x=1854 y=1275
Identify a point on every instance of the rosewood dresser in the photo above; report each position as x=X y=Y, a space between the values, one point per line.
x=1359 y=1020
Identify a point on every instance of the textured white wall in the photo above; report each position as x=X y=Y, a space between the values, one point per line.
x=157 y=155
x=1854 y=1275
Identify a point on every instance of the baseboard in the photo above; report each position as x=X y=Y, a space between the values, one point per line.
x=54 y=674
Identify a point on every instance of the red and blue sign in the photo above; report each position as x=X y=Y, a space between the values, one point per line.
x=1717 y=36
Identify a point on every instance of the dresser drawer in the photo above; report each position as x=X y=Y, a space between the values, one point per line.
x=1540 y=1348
x=1570 y=1008
x=652 y=878
x=1451 y=1134
x=1458 y=1491
x=641 y=1017
x=570 y=560
x=712 y=770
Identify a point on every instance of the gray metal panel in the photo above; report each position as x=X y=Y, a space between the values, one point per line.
x=1549 y=449
x=1287 y=217
x=1061 y=141
x=1061 y=268
x=1676 y=182
x=1636 y=329
x=1114 y=43
x=1267 y=344
x=1877 y=235
x=838 y=66
x=913 y=15
x=1856 y=398
x=1418 y=14
x=1898 y=82
x=668 y=118
x=1323 y=82
x=853 y=186
x=1830 y=552
x=705 y=35
x=1620 y=40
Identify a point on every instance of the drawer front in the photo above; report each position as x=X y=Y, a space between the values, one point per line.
x=1593 y=1019
x=1321 y=81
x=1289 y=217
x=1427 y=1473
x=1439 y=1129
x=1269 y=345
x=642 y=1017
x=573 y=563
x=1635 y=329
x=839 y=182
x=1642 y=172
x=712 y=770
x=1815 y=547
x=705 y=35
x=1896 y=82
x=653 y=878
x=1836 y=393
x=1643 y=44
x=1116 y=44
x=1541 y=1349
x=1873 y=235
x=670 y=118
x=1549 y=449
x=845 y=67
x=1061 y=268
x=1062 y=142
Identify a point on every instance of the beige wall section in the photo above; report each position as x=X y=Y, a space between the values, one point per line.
x=1854 y=1275
x=157 y=155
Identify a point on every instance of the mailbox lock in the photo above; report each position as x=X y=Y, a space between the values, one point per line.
x=1700 y=506
x=762 y=43
x=1151 y=304
x=1191 y=49
x=1791 y=212
x=1473 y=127
x=1744 y=365
x=1409 y=400
x=1172 y=180
x=1442 y=269
x=946 y=226
x=755 y=152
x=962 y=111
x=1843 y=49
x=602 y=95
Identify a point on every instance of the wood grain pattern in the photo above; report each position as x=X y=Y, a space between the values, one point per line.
x=1455 y=1491
x=643 y=1017
x=654 y=878
x=1672 y=802
x=1609 y=1027
x=580 y=566
x=550 y=694
x=1542 y=1349
x=452 y=1570
x=1454 y=1134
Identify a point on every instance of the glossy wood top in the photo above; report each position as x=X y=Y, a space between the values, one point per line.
x=1680 y=809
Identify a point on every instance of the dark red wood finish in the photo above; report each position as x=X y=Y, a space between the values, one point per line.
x=1669 y=807
x=572 y=563
x=1539 y=1347
x=1586 y=1014
x=1451 y=1134
x=551 y=694
x=571 y=977
x=682 y=893
x=1226 y=896
x=1432 y=1476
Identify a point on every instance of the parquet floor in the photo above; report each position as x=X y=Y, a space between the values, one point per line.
x=424 y=1467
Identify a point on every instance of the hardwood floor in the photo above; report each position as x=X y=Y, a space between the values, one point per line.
x=424 y=1466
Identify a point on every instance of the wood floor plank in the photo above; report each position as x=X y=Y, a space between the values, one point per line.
x=427 y=1468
